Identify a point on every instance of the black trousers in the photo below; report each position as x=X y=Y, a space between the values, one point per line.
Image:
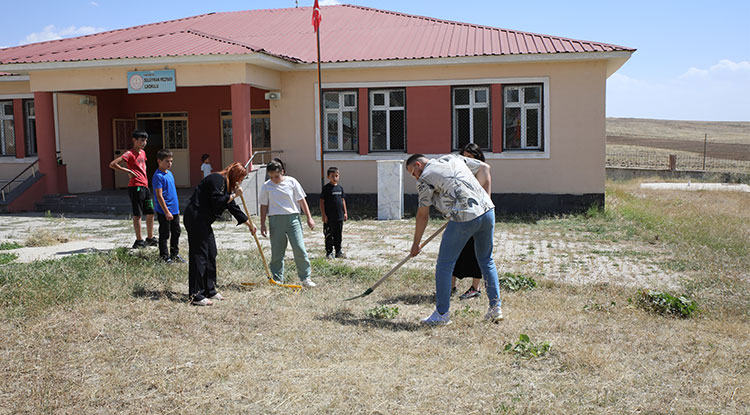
x=169 y=231
x=332 y=232
x=202 y=255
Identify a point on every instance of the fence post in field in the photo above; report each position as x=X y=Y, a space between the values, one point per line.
x=672 y=162
x=705 y=141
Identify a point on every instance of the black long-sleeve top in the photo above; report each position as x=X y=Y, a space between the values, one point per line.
x=211 y=197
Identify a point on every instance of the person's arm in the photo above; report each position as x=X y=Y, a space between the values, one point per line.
x=303 y=205
x=160 y=198
x=323 y=210
x=263 y=213
x=484 y=178
x=115 y=165
x=423 y=216
x=346 y=215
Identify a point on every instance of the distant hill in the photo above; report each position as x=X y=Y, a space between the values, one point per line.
x=718 y=132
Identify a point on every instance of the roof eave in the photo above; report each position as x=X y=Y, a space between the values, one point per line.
x=255 y=58
x=615 y=60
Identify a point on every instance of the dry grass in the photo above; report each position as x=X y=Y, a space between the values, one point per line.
x=112 y=333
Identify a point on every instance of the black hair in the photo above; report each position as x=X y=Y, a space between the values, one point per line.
x=332 y=170
x=413 y=158
x=163 y=153
x=474 y=150
x=274 y=166
x=283 y=166
x=204 y=157
x=137 y=134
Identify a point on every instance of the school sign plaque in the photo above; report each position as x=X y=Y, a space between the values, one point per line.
x=149 y=82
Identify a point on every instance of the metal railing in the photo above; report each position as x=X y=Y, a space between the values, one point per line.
x=255 y=179
x=262 y=154
x=6 y=188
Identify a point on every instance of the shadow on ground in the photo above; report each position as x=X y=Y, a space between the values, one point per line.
x=410 y=299
x=346 y=318
x=157 y=295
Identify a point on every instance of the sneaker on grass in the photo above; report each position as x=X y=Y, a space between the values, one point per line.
x=437 y=319
x=308 y=283
x=202 y=303
x=494 y=314
x=340 y=255
x=470 y=293
x=217 y=297
x=152 y=242
x=177 y=258
x=139 y=244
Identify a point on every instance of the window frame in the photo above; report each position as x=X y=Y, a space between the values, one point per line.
x=471 y=106
x=4 y=152
x=340 y=118
x=523 y=106
x=29 y=122
x=387 y=108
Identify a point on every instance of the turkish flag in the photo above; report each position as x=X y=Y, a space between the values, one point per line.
x=316 y=16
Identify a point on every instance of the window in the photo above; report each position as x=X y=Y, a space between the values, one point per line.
x=340 y=115
x=226 y=128
x=523 y=117
x=388 y=120
x=471 y=117
x=260 y=126
x=175 y=130
x=7 y=129
x=30 y=115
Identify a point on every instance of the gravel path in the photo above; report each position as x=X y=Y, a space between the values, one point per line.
x=541 y=254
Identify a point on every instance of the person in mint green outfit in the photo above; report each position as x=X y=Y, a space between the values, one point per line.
x=281 y=198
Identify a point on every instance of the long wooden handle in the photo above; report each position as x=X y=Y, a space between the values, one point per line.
x=257 y=242
x=408 y=257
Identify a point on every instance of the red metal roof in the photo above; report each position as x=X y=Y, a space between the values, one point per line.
x=348 y=33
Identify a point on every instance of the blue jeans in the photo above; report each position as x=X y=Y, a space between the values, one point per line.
x=454 y=239
x=281 y=229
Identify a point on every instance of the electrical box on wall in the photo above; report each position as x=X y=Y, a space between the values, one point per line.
x=273 y=96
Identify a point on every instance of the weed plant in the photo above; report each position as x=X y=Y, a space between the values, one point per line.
x=668 y=304
x=382 y=312
x=5 y=246
x=6 y=258
x=516 y=282
x=526 y=349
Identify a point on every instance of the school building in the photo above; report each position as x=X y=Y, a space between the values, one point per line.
x=232 y=84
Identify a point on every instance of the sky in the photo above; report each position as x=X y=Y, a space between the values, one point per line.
x=692 y=60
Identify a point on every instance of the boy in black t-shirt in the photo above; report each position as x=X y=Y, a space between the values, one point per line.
x=333 y=209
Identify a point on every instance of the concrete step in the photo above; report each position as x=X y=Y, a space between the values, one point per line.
x=106 y=201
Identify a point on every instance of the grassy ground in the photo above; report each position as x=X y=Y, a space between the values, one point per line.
x=112 y=332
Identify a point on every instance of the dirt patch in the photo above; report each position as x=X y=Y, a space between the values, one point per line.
x=729 y=151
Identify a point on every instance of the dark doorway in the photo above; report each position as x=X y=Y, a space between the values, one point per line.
x=155 y=143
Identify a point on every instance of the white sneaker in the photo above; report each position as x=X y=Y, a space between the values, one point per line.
x=494 y=314
x=217 y=297
x=203 y=302
x=438 y=319
x=307 y=283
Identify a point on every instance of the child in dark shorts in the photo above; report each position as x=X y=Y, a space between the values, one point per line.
x=140 y=196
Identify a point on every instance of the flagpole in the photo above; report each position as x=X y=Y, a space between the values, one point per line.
x=320 y=113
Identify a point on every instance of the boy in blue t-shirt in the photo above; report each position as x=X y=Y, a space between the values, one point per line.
x=167 y=208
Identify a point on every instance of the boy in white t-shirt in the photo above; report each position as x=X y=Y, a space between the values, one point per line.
x=281 y=198
x=206 y=165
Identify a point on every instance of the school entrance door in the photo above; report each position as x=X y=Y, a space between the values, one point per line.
x=165 y=130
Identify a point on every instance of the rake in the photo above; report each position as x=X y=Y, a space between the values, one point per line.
x=263 y=257
x=392 y=271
